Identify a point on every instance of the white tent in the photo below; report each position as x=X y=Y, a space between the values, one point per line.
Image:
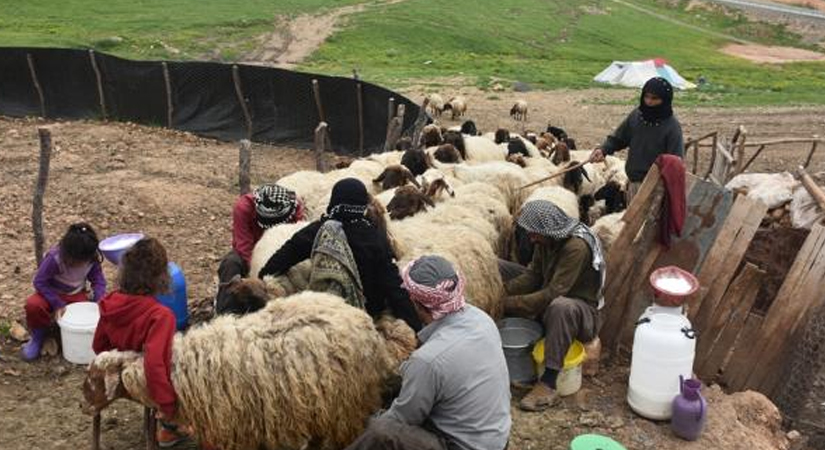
x=636 y=73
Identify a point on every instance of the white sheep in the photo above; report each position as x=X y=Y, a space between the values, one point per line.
x=506 y=177
x=435 y=105
x=482 y=150
x=457 y=106
x=559 y=196
x=519 y=110
x=304 y=371
x=297 y=278
x=608 y=228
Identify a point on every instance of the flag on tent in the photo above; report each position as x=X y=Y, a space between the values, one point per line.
x=636 y=73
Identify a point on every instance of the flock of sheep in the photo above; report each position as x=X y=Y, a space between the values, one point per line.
x=295 y=374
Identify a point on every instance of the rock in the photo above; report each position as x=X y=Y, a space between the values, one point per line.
x=18 y=333
x=11 y=372
x=793 y=435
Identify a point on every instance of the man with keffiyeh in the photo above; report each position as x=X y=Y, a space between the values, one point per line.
x=562 y=288
x=455 y=392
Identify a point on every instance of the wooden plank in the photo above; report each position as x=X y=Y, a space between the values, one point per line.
x=724 y=258
x=707 y=206
x=801 y=291
x=744 y=355
x=715 y=343
x=619 y=261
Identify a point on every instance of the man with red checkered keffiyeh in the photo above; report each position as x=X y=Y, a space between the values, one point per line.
x=455 y=392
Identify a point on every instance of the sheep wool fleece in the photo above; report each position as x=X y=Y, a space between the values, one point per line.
x=139 y=323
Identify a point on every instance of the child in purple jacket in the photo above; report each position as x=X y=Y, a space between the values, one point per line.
x=60 y=280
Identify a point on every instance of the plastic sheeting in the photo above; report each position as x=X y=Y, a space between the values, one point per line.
x=281 y=103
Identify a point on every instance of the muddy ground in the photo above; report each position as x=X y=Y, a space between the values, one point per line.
x=180 y=188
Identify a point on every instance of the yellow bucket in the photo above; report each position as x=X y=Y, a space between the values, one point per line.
x=569 y=380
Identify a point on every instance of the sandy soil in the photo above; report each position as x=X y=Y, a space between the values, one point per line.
x=771 y=54
x=818 y=5
x=180 y=188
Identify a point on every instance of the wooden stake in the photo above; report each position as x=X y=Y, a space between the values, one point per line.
x=36 y=83
x=40 y=190
x=712 y=157
x=244 y=163
x=811 y=153
x=169 y=105
x=360 y=96
x=815 y=191
x=316 y=90
x=395 y=128
x=96 y=432
x=236 y=78
x=740 y=149
x=99 y=78
x=420 y=122
x=321 y=139
x=695 y=157
x=390 y=113
x=753 y=157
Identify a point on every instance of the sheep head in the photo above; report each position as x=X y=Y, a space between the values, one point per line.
x=104 y=383
x=613 y=196
x=437 y=186
x=447 y=154
x=562 y=154
x=573 y=179
x=376 y=214
x=395 y=176
x=532 y=137
x=431 y=136
x=246 y=295
x=502 y=136
x=517 y=159
x=468 y=127
x=342 y=162
x=404 y=144
x=407 y=201
x=416 y=160
x=457 y=140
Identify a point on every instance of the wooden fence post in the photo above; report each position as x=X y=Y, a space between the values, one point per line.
x=101 y=98
x=420 y=122
x=170 y=108
x=321 y=139
x=395 y=128
x=244 y=164
x=40 y=190
x=36 y=83
x=316 y=91
x=236 y=78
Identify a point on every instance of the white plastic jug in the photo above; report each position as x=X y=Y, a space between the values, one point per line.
x=664 y=347
x=659 y=309
x=77 y=330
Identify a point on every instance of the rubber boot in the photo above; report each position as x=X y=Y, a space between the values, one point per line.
x=31 y=350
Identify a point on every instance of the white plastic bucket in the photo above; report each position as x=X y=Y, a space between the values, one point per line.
x=77 y=330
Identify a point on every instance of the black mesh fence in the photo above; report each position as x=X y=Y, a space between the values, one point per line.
x=199 y=97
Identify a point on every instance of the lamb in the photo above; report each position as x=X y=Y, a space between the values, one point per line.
x=457 y=106
x=519 y=110
x=304 y=371
x=435 y=105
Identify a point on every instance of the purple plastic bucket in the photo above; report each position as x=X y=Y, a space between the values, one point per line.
x=115 y=246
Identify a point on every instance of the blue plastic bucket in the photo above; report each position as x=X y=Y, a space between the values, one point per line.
x=176 y=298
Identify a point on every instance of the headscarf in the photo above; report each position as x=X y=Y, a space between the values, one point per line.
x=662 y=89
x=435 y=285
x=348 y=202
x=545 y=218
x=274 y=205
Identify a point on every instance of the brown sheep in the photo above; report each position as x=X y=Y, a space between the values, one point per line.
x=395 y=176
x=561 y=154
x=447 y=154
x=407 y=201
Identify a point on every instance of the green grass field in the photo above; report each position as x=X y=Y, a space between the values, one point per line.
x=547 y=43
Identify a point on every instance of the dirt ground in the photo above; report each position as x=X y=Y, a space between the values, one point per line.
x=180 y=188
x=771 y=54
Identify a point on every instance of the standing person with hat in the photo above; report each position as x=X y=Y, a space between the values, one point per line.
x=648 y=131
x=267 y=206
x=357 y=256
x=455 y=391
x=562 y=288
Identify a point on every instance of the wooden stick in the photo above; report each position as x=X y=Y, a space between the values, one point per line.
x=809 y=183
x=150 y=426
x=811 y=153
x=320 y=147
x=390 y=111
x=40 y=190
x=169 y=105
x=101 y=98
x=244 y=163
x=752 y=158
x=236 y=78
x=395 y=128
x=420 y=122
x=37 y=87
x=557 y=174
x=712 y=157
x=316 y=90
x=694 y=141
x=740 y=153
x=360 y=98
x=96 y=432
x=695 y=157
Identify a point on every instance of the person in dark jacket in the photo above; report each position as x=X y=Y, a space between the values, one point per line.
x=648 y=131
x=370 y=248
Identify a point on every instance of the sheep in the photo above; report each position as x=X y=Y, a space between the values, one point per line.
x=416 y=160
x=403 y=144
x=559 y=196
x=457 y=141
x=608 y=228
x=394 y=176
x=502 y=136
x=516 y=146
x=481 y=150
x=469 y=128
x=532 y=150
x=614 y=197
x=506 y=177
x=431 y=136
x=435 y=105
x=457 y=106
x=517 y=159
x=531 y=137
x=519 y=110
x=297 y=278
x=387 y=158
x=304 y=371
x=447 y=153
x=407 y=201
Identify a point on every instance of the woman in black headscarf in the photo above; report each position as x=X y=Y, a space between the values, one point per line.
x=648 y=131
x=369 y=246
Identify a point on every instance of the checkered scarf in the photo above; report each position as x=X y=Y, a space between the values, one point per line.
x=445 y=296
x=274 y=205
x=545 y=218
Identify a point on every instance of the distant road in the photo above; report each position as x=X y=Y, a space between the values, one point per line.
x=784 y=9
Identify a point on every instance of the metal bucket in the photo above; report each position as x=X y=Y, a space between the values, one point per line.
x=518 y=336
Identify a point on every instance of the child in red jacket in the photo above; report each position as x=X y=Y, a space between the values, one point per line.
x=132 y=319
